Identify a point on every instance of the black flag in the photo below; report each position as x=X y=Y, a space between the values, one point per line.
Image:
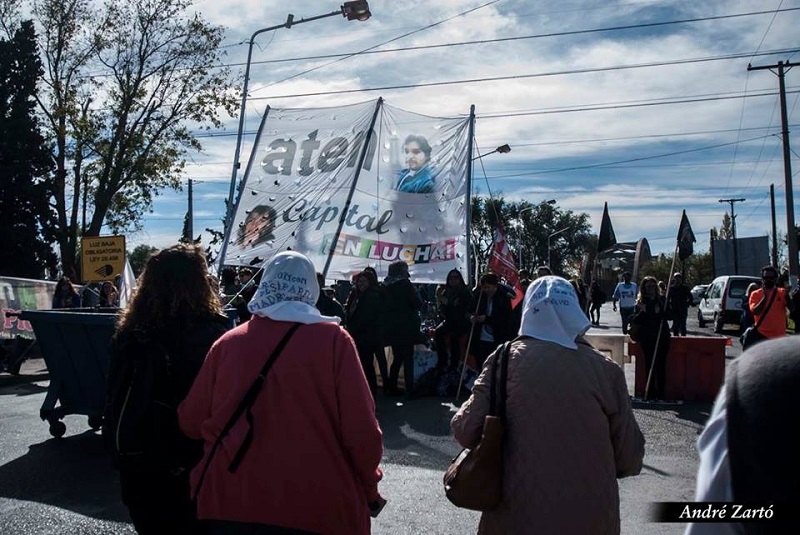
x=685 y=238
x=606 y=239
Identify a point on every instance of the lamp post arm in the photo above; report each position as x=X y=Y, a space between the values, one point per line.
x=550 y=237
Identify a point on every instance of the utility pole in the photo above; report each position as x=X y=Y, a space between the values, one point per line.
x=791 y=237
x=190 y=216
x=774 y=226
x=733 y=229
x=711 y=248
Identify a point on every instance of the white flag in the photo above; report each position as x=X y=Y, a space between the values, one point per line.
x=127 y=285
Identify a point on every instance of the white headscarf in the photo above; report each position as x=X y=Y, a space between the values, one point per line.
x=289 y=291
x=551 y=312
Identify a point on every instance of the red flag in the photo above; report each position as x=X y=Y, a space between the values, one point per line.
x=501 y=262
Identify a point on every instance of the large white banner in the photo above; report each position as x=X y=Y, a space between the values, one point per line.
x=408 y=198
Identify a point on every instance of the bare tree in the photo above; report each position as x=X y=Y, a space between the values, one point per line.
x=122 y=83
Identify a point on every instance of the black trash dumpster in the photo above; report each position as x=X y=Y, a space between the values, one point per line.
x=76 y=346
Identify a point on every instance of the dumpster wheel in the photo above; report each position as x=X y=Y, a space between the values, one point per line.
x=58 y=428
x=95 y=422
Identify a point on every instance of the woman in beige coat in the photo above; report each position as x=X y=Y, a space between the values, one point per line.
x=570 y=429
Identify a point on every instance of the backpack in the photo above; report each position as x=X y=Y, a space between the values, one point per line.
x=140 y=421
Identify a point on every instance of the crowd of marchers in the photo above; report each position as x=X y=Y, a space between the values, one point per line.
x=270 y=426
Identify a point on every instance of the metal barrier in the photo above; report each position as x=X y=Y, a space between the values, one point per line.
x=695 y=368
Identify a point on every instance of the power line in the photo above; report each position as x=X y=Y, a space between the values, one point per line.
x=619 y=106
x=371 y=48
x=543 y=143
x=366 y=31
x=765 y=91
x=663 y=165
x=532 y=75
x=746 y=84
x=643 y=136
x=639 y=159
x=522 y=37
x=549 y=111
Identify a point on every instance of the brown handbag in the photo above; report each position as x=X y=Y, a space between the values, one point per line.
x=474 y=479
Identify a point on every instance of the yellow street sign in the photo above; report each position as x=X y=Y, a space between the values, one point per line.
x=102 y=258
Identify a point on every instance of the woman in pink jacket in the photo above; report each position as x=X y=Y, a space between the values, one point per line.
x=304 y=458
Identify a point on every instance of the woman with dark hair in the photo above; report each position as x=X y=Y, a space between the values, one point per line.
x=580 y=291
x=171 y=322
x=258 y=226
x=453 y=301
x=65 y=295
x=363 y=312
x=596 y=298
x=109 y=297
x=650 y=319
x=418 y=176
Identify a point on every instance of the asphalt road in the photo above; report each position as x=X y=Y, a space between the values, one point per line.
x=67 y=486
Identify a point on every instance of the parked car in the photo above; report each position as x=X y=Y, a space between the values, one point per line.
x=697 y=293
x=722 y=302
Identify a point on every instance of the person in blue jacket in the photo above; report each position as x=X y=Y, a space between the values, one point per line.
x=419 y=175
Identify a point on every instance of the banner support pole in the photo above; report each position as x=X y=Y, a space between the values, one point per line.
x=470 y=147
x=346 y=207
x=233 y=207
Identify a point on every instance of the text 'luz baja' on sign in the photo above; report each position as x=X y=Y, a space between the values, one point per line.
x=102 y=258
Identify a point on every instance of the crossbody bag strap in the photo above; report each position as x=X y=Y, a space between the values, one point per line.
x=498 y=408
x=493 y=389
x=501 y=412
x=244 y=406
x=763 y=315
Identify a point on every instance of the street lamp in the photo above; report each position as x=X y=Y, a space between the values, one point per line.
x=529 y=208
x=549 y=237
x=518 y=220
x=354 y=10
x=502 y=149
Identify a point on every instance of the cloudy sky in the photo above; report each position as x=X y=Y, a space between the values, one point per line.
x=647 y=105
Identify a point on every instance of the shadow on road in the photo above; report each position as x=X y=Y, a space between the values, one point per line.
x=417 y=433
x=694 y=412
x=21 y=388
x=8 y=380
x=72 y=473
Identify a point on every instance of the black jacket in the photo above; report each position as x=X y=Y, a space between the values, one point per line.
x=401 y=320
x=454 y=309
x=654 y=315
x=329 y=307
x=365 y=319
x=499 y=322
x=186 y=346
x=680 y=299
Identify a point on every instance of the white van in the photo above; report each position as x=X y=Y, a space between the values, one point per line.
x=722 y=302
